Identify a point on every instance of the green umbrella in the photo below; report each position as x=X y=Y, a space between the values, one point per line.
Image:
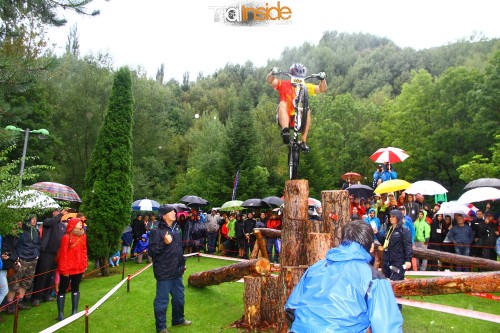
x=231 y=205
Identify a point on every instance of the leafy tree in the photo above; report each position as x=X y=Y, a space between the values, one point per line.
x=108 y=193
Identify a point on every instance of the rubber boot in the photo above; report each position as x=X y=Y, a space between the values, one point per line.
x=60 y=306
x=75 y=297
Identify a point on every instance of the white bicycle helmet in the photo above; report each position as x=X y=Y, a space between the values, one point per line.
x=298 y=69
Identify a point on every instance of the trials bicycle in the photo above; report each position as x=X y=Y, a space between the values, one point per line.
x=297 y=123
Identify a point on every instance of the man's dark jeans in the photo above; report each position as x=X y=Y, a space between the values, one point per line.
x=165 y=288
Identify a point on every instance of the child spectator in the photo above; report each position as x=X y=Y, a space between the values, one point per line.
x=141 y=249
x=127 y=239
x=114 y=259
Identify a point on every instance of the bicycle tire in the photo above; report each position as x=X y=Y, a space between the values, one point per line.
x=293 y=160
x=301 y=109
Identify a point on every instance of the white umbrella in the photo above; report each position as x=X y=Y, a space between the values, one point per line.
x=480 y=194
x=453 y=207
x=426 y=187
x=32 y=199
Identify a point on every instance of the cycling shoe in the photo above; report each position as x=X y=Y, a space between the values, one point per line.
x=304 y=147
x=285 y=135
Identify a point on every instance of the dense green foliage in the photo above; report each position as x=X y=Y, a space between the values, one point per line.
x=108 y=183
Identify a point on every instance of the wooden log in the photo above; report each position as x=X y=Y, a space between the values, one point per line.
x=478 y=282
x=255 y=251
x=269 y=233
x=270 y=299
x=317 y=246
x=261 y=242
x=335 y=203
x=288 y=279
x=229 y=273
x=294 y=220
x=457 y=259
x=252 y=300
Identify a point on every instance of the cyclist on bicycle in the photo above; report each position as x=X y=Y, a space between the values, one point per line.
x=287 y=95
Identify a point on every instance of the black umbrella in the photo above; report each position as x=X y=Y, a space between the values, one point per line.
x=359 y=191
x=483 y=182
x=193 y=201
x=180 y=207
x=251 y=203
x=273 y=201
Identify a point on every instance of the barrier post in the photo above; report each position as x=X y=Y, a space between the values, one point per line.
x=198 y=255
x=87 y=318
x=128 y=284
x=16 y=314
x=124 y=262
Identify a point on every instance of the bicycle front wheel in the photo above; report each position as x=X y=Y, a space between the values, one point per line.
x=301 y=109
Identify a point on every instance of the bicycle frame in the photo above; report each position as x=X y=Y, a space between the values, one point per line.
x=301 y=106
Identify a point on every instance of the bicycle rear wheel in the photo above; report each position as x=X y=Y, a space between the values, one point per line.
x=293 y=159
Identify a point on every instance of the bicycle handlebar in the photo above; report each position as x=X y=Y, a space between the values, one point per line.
x=312 y=76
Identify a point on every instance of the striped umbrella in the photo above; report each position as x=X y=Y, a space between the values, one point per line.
x=389 y=154
x=58 y=191
x=145 y=205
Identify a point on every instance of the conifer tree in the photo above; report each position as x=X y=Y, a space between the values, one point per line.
x=109 y=177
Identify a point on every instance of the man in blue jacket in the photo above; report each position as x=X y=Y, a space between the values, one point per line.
x=165 y=247
x=343 y=293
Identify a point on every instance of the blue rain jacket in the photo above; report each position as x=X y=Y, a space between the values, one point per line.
x=343 y=293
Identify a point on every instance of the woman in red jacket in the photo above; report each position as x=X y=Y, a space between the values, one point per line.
x=72 y=263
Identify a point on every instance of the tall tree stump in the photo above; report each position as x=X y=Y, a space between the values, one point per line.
x=335 y=203
x=294 y=221
x=252 y=300
x=288 y=279
x=318 y=245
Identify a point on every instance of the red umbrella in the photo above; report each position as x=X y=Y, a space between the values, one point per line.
x=389 y=154
x=352 y=175
x=58 y=191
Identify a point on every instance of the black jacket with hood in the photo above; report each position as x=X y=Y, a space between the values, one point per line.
x=168 y=260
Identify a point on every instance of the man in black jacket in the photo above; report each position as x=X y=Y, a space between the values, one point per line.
x=27 y=250
x=165 y=248
x=53 y=229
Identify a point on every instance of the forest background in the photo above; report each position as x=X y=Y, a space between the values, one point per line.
x=441 y=105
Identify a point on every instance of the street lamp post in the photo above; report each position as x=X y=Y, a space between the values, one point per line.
x=42 y=133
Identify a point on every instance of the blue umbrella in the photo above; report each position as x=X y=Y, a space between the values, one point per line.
x=145 y=204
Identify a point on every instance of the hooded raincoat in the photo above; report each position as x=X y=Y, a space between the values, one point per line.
x=73 y=251
x=343 y=293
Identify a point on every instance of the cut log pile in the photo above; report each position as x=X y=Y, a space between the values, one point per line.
x=304 y=242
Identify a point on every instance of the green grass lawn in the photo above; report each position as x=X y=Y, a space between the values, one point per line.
x=213 y=309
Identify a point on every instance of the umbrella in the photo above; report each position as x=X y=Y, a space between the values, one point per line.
x=273 y=201
x=483 y=182
x=145 y=204
x=193 y=200
x=480 y=194
x=426 y=187
x=66 y=217
x=231 y=205
x=180 y=207
x=360 y=190
x=58 y=191
x=313 y=202
x=31 y=199
x=352 y=175
x=389 y=154
x=250 y=203
x=453 y=207
x=392 y=186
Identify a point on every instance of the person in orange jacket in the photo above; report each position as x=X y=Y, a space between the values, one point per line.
x=72 y=262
